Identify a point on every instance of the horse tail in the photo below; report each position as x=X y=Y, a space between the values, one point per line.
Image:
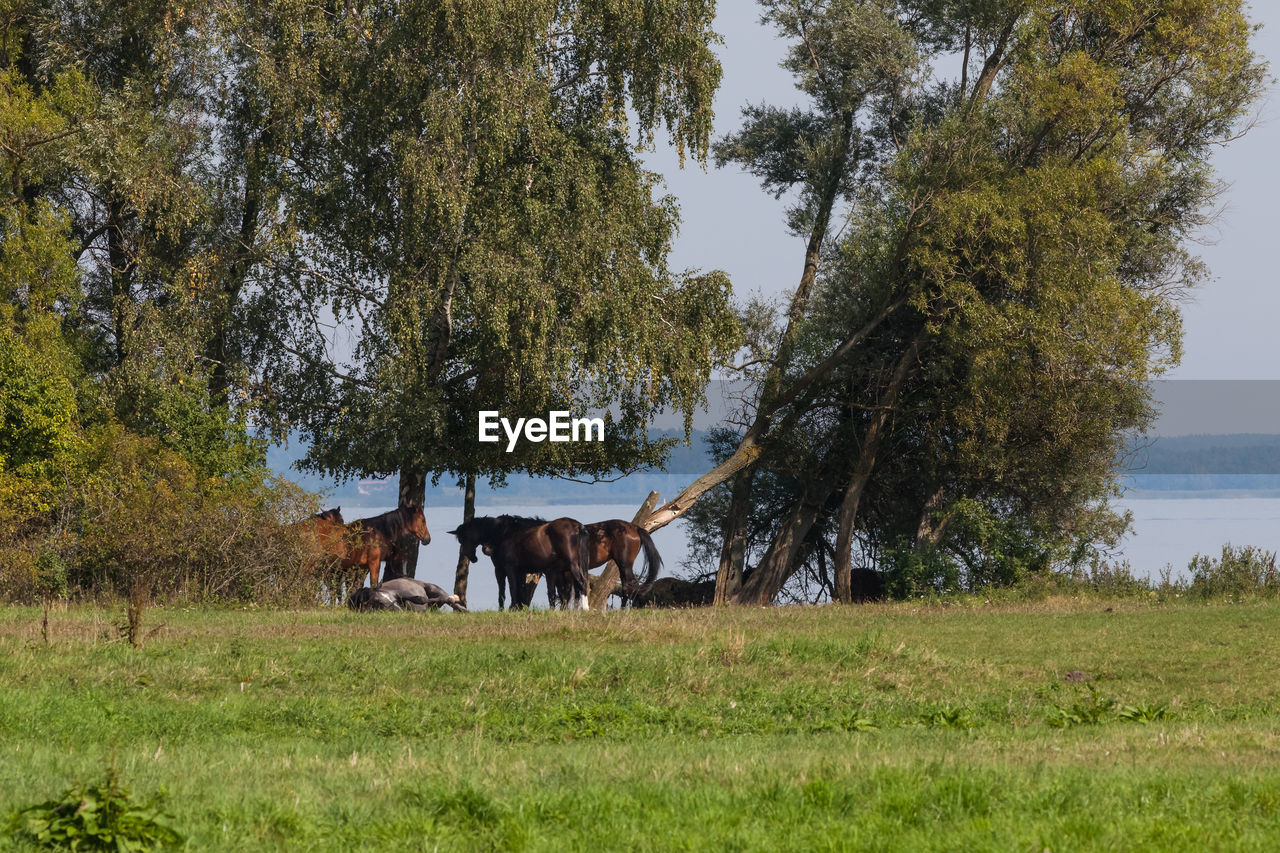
x=652 y=560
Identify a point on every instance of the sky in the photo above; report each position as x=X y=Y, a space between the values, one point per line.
x=730 y=223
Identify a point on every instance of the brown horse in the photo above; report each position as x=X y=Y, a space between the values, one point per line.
x=523 y=546
x=369 y=541
x=677 y=592
x=622 y=541
x=323 y=532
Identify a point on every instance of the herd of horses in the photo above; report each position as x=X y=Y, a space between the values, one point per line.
x=523 y=551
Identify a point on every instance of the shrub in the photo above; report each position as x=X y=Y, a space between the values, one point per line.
x=141 y=519
x=912 y=572
x=101 y=816
x=1104 y=578
x=1239 y=572
x=1085 y=711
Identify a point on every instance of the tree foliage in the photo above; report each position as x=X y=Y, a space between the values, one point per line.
x=981 y=339
x=468 y=198
x=198 y=195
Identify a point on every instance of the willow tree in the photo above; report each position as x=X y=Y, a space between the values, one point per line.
x=1009 y=275
x=470 y=206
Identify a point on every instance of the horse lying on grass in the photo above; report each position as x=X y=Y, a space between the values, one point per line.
x=404 y=594
x=868 y=585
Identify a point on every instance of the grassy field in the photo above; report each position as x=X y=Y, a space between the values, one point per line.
x=1058 y=725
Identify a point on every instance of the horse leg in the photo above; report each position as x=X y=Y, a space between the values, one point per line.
x=578 y=561
x=626 y=567
x=513 y=579
x=575 y=596
x=502 y=588
x=521 y=577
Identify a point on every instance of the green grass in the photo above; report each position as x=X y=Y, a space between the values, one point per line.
x=1061 y=725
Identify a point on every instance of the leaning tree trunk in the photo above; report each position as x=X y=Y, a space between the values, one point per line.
x=764 y=583
x=463 y=571
x=933 y=520
x=733 y=551
x=862 y=471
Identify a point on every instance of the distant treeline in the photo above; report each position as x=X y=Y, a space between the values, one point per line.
x=1246 y=454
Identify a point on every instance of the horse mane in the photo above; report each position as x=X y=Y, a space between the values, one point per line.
x=520 y=522
x=391 y=524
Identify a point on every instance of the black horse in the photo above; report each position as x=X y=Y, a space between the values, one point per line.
x=518 y=546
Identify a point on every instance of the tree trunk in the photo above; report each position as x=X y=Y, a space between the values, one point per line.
x=865 y=464
x=602 y=587
x=994 y=62
x=764 y=583
x=218 y=349
x=933 y=523
x=413 y=494
x=745 y=454
x=121 y=274
x=463 y=571
x=734 y=551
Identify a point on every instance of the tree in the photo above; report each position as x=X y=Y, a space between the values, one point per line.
x=470 y=201
x=1008 y=279
x=133 y=177
x=851 y=59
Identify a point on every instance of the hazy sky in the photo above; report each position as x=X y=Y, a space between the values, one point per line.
x=729 y=223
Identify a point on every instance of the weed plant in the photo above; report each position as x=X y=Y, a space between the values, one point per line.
x=92 y=817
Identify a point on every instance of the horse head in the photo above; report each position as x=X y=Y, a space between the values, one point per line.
x=417 y=525
x=334 y=515
x=468 y=539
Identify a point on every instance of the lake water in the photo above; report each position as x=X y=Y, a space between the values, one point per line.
x=1166 y=531
x=1170 y=531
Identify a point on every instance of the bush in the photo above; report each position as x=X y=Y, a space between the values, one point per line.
x=1104 y=578
x=912 y=572
x=140 y=516
x=101 y=816
x=1239 y=572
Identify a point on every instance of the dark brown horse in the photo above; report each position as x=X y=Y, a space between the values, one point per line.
x=369 y=541
x=622 y=541
x=676 y=592
x=521 y=546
